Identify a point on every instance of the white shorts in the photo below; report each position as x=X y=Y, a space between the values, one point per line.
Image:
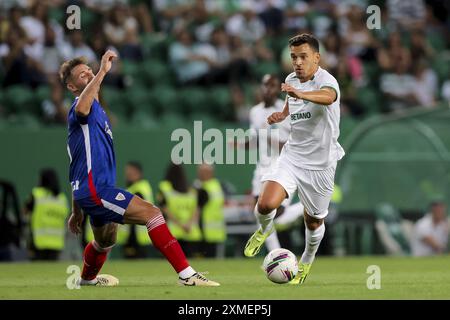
x=314 y=187
x=257 y=184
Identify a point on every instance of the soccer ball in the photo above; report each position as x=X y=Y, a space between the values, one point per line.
x=280 y=265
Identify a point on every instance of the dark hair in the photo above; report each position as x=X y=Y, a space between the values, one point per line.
x=49 y=180
x=135 y=165
x=305 y=38
x=67 y=67
x=177 y=177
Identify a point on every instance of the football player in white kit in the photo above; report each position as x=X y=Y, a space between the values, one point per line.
x=307 y=163
x=259 y=113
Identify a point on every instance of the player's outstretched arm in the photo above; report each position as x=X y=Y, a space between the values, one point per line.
x=324 y=96
x=83 y=106
x=279 y=116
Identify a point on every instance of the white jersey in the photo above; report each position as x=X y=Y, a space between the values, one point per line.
x=313 y=141
x=258 y=120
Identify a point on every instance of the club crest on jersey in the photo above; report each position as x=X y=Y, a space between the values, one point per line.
x=120 y=197
x=108 y=130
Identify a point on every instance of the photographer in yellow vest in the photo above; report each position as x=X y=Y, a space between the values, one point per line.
x=49 y=209
x=178 y=202
x=212 y=222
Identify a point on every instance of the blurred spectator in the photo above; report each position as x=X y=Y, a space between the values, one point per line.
x=246 y=25
x=11 y=223
x=178 y=202
x=200 y=21
x=420 y=48
x=331 y=54
x=358 y=40
x=230 y=66
x=53 y=56
x=49 y=209
x=115 y=76
x=170 y=12
x=399 y=86
x=394 y=232
x=18 y=67
x=426 y=83
x=121 y=30
x=211 y=200
x=445 y=91
x=388 y=56
x=431 y=232
x=406 y=14
x=77 y=47
x=137 y=242
x=192 y=61
x=140 y=10
x=295 y=15
x=271 y=13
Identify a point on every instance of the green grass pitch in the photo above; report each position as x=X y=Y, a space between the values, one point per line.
x=330 y=278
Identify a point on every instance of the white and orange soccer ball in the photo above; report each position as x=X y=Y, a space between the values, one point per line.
x=280 y=265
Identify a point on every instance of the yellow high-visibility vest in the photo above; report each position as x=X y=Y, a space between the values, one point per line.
x=48 y=219
x=182 y=206
x=213 y=221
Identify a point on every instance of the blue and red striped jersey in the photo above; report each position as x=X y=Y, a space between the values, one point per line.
x=91 y=152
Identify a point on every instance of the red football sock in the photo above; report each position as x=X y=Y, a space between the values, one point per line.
x=166 y=243
x=94 y=258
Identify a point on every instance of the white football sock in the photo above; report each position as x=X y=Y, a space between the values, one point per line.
x=290 y=214
x=265 y=220
x=312 y=240
x=272 y=242
x=186 y=273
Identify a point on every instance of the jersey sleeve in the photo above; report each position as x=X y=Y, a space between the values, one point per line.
x=80 y=119
x=328 y=81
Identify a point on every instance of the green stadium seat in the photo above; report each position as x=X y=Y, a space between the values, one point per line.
x=42 y=93
x=157 y=72
x=143 y=120
x=195 y=99
x=171 y=120
x=369 y=99
x=155 y=46
x=264 y=67
x=20 y=99
x=441 y=65
x=133 y=71
x=167 y=99
x=207 y=120
x=24 y=120
x=140 y=99
x=115 y=100
x=220 y=102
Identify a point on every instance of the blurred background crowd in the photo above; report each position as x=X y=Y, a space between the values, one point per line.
x=170 y=48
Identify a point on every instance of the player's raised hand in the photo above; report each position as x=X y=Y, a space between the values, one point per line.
x=107 y=59
x=290 y=90
x=74 y=223
x=276 y=117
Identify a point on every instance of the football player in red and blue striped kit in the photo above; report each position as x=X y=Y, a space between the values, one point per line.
x=93 y=178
